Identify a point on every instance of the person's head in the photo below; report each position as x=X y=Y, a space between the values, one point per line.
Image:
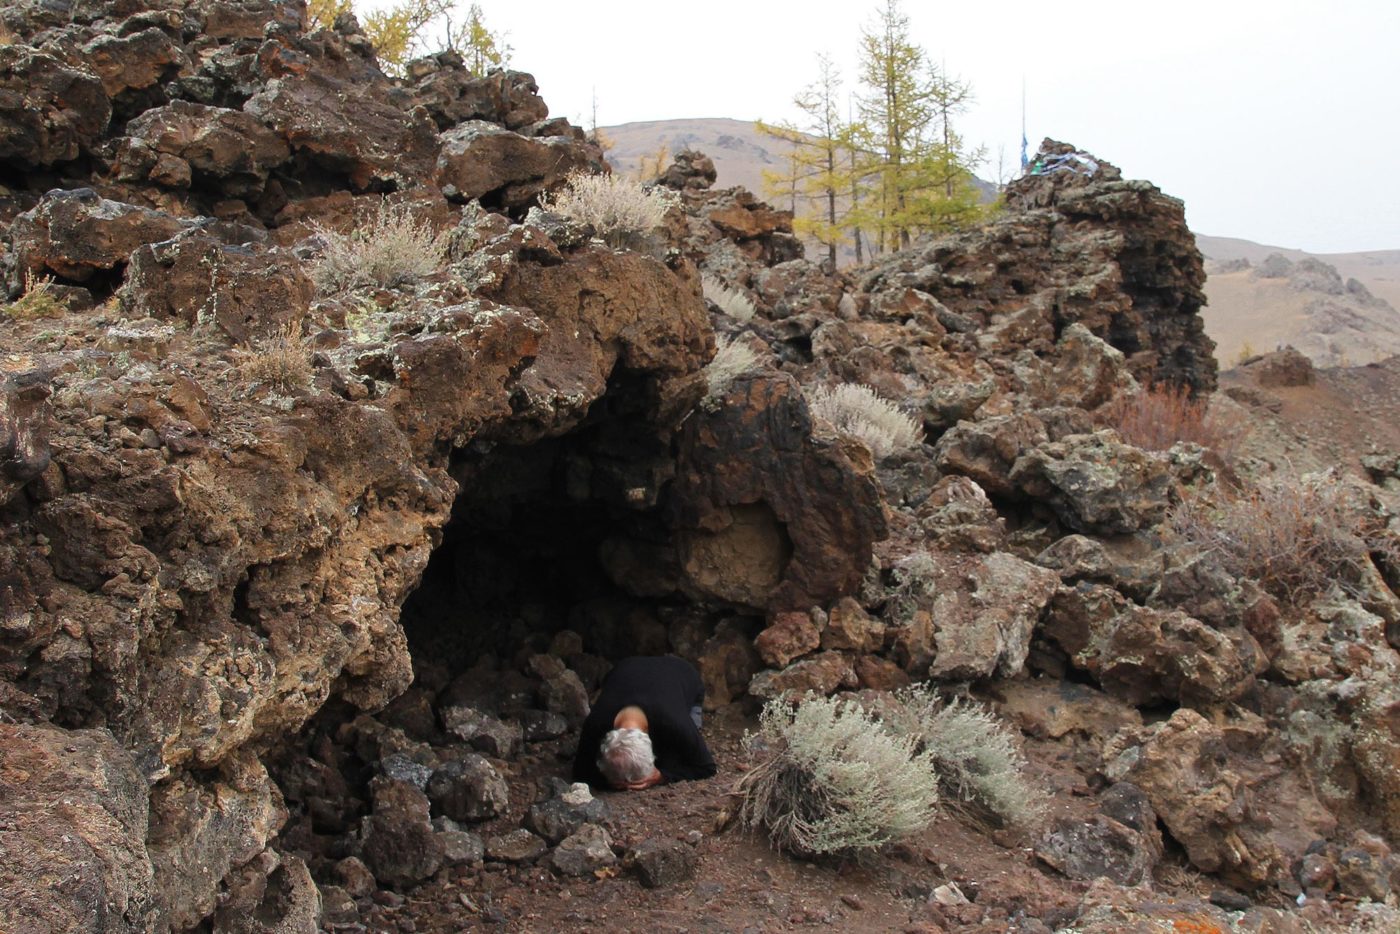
x=625 y=756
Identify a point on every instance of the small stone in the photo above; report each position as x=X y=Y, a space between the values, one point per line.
x=542 y=724
x=484 y=732
x=468 y=789
x=461 y=847
x=355 y=876
x=1230 y=900
x=663 y=863
x=694 y=838
x=401 y=768
x=853 y=901
x=584 y=852
x=337 y=907
x=556 y=819
x=518 y=846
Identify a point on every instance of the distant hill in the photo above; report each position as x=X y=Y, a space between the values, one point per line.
x=1338 y=308
x=739 y=151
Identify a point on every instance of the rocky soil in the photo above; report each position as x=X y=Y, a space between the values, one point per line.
x=304 y=591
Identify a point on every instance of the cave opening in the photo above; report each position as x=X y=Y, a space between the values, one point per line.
x=564 y=546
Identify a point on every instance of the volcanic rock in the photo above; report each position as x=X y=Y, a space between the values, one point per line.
x=583 y=852
x=78 y=233
x=662 y=863
x=400 y=846
x=49 y=111
x=1183 y=767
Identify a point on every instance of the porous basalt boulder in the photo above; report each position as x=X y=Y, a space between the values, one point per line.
x=50 y=111
x=348 y=129
x=246 y=292
x=1145 y=656
x=97 y=835
x=481 y=160
x=1096 y=483
x=755 y=492
x=24 y=430
x=453 y=95
x=77 y=234
x=214 y=142
x=1183 y=766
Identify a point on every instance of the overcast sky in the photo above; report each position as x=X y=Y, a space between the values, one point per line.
x=1277 y=122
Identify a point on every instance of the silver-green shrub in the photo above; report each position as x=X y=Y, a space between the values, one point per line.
x=391 y=248
x=974 y=754
x=830 y=780
x=856 y=410
x=617 y=207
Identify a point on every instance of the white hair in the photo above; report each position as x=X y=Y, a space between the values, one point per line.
x=625 y=756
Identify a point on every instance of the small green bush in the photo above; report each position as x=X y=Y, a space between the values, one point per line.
x=618 y=208
x=38 y=300
x=391 y=249
x=832 y=781
x=974 y=754
x=856 y=410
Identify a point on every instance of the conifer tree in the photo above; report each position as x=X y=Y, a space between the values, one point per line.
x=918 y=167
x=406 y=29
x=818 y=177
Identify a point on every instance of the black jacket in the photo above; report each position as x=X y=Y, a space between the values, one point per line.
x=666 y=688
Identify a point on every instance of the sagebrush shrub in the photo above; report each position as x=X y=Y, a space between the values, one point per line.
x=731 y=302
x=732 y=359
x=1159 y=415
x=857 y=410
x=1295 y=538
x=283 y=361
x=974 y=754
x=393 y=247
x=618 y=208
x=832 y=781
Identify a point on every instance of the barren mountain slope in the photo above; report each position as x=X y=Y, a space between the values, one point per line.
x=740 y=152
x=1262 y=297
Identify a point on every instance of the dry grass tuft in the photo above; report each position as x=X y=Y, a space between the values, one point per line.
x=393 y=248
x=1296 y=538
x=284 y=361
x=856 y=410
x=975 y=755
x=1160 y=415
x=618 y=208
x=38 y=300
x=731 y=302
x=733 y=358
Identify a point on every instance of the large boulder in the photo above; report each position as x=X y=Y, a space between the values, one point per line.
x=767 y=515
x=214 y=142
x=49 y=111
x=246 y=292
x=481 y=160
x=1145 y=656
x=1096 y=483
x=1183 y=766
x=24 y=430
x=73 y=820
x=350 y=129
x=78 y=234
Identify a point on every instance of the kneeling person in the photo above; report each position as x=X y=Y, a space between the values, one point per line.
x=644 y=728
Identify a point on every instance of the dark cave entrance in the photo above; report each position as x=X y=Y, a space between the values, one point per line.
x=562 y=535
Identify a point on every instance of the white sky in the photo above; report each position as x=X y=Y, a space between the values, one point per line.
x=1277 y=121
